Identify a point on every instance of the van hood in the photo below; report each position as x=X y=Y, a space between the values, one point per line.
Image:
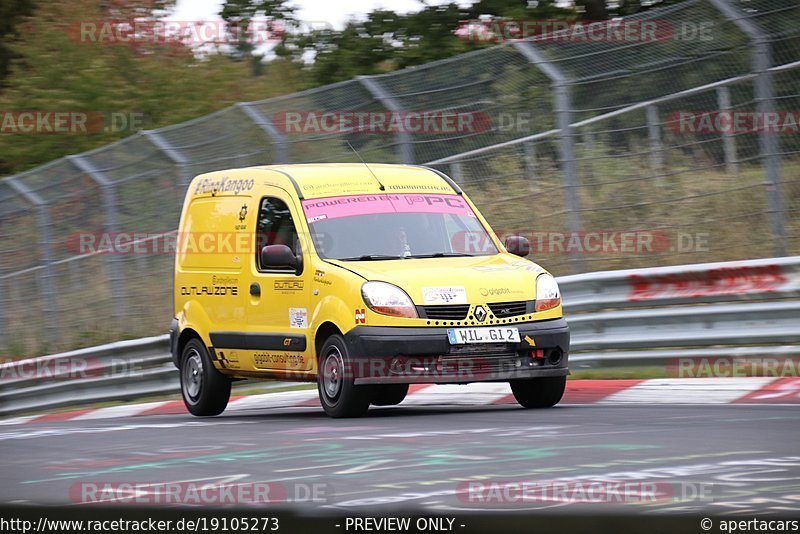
x=496 y=278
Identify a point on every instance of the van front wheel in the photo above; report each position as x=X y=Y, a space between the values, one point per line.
x=539 y=392
x=205 y=390
x=338 y=394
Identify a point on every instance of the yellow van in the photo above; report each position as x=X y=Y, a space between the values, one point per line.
x=363 y=279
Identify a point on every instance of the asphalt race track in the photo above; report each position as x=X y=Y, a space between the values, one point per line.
x=727 y=459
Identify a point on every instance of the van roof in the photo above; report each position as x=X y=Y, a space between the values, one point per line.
x=317 y=180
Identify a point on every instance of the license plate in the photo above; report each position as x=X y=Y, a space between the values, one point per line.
x=487 y=334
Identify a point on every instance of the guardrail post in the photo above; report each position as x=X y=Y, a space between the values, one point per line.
x=109 y=189
x=180 y=161
x=656 y=148
x=405 y=150
x=563 y=110
x=46 y=275
x=728 y=140
x=765 y=103
x=266 y=125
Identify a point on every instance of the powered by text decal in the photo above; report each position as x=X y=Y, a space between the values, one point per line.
x=347 y=206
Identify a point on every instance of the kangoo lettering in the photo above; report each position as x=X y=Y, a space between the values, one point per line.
x=223 y=185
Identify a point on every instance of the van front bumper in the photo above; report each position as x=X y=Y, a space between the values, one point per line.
x=424 y=355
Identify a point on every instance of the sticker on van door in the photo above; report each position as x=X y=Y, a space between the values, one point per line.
x=298 y=317
x=444 y=295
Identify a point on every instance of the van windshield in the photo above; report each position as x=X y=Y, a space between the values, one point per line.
x=378 y=227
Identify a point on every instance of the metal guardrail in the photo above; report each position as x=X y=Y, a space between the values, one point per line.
x=650 y=317
x=637 y=317
x=123 y=370
x=555 y=115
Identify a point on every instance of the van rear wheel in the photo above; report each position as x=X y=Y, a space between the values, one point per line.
x=389 y=394
x=539 y=392
x=205 y=390
x=338 y=394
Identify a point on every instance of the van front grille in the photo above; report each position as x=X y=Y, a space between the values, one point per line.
x=508 y=309
x=447 y=312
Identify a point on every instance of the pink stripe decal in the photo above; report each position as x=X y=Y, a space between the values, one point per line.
x=347 y=206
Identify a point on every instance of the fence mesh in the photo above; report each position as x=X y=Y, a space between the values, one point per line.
x=636 y=179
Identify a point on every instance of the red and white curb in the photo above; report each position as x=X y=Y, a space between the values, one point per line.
x=755 y=390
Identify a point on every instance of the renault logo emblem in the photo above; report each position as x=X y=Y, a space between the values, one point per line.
x=480 y=313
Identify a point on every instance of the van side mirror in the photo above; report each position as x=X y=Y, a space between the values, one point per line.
x=280 y=257
x=516 y=244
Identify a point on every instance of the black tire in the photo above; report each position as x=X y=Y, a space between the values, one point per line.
x=389 y=394
x=539 y=392
x=338 y=394
x=205 y=390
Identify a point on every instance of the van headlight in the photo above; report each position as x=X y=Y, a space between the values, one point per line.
x=548 y=295
x=387 y=299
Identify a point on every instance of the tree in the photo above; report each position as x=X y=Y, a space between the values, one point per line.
x=55 y=70
x=11 y=11
x=240 y=16
x=386 y=41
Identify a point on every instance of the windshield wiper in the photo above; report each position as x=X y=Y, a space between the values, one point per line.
x=444 y=255
x=371 y=257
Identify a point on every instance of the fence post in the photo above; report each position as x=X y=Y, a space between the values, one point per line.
x=531 y=165
x=728 y=140
x=588 y=140
x=46 y=275
x=563 y=110
x=267 y=126
x=109 y=189
x=765 y=103
x=180 y=161
x=4 y=304
x=405 y=150
x=656 y=147
x=456 y=172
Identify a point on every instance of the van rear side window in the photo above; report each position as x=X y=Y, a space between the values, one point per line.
x=275 y=227
x=208 y=238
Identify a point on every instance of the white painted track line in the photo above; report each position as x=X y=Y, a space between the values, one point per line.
x=119 y=411
x=475 y=394
x=690 y=391
x=272 y=400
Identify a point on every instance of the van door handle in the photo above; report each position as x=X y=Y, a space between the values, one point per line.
x=255 y=289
